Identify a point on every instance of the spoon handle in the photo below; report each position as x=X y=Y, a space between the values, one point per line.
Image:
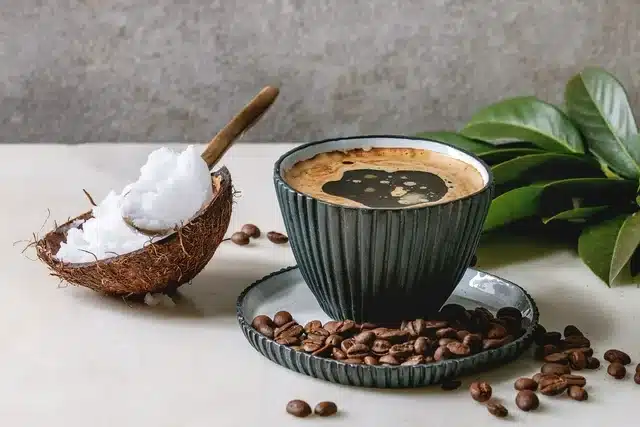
x=242 y=122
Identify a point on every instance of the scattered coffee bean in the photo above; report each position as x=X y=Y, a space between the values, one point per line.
x=480 y=391
x=578 y=360
x=636 y=378
x=277 y=238
x=552 y=338
x=527 y=400
x=561 y=358
x=240 y=238
x=593 y=363
x=571 y=330
x=638 y=368
x=575 y=380
x=539 y=334
x=588 y=351
x=537 y=377
x=325 y=409
x=251 y=230
x=299 y=408
x=617 y=370
x=552 y=385
x=282 y=317
x=525 y=384
x=575 y=341
x=497 y=409
x=617 y=356
x=555 y=368
x=451 y=385
x=577 y=393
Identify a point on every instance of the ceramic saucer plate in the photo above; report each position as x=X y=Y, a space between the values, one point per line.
x=286 y=290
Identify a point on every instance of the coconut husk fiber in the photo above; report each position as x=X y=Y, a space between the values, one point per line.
x=161 y=266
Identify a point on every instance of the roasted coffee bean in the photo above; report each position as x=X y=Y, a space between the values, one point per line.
x=312 y=326
x=380 y=347
x=392 y=335
x=638 y=368
x=587 y=351
x=318 y=339
x=414 y=360
x=474 y=342
x=509 y=312
x=367 y=326
x=480 y=391
x=325 y=409
x=571 y=330
x=348 y=327
x=484 y=312
x=288 y=340
x=552 y=385
x=446 y=341
x=358 y=350
x=490 y=344
x=617 y=370
x=578 y=361
x=299 y=408
x=617 y=356
x=421 y=346
x=251 y=230
x=459 y=349
x=462 y=333
x=284 y=328
x=552 y=338
x=447 y=333
x=453 y=312
x=262 y=320
x=436 y=324
x=451 y=385
x=334 y=340
x=497 y=409
x=539 y=334
x=537 y=377
x=593 y=363
x=310 y=346
x=345 y=345
x=353 y=361
x=575 y=341
x=240 y=238
x=389 y=360
x=338 y=354
x=401 y=350
x=636 y=378
x=371 y=360
x=527 y=400
x=496 y=331
x=296 y=347
x=277 y=238
x=577 y=393
x=575 y=380
x=442 y=353
x=416 y=327
x=561 y=358
x=324 y=351
x=265 y=330
x=365 y=337
x=525 y=384
x=555 y=368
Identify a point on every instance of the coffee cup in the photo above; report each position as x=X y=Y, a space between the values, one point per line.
x=382 y=227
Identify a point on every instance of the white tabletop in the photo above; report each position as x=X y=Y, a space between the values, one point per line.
x=69 y=357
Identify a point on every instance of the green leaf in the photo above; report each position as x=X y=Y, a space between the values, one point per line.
x=626 y=244
x=576 y=214
x=502 y=155
x=458 y=140
x=512 y=206
x=596 y=246
x=597 y=103
x=527 y=119
x=515 y=168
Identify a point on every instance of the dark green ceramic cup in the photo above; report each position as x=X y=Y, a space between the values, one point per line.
x=381 y=265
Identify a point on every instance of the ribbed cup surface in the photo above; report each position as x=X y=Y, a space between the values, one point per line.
x=381 y=265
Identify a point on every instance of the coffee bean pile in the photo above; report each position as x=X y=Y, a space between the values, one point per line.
x=301 y=409
x=456 y=332
x=251 y=231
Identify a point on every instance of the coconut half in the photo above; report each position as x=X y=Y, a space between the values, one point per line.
x=161 y=266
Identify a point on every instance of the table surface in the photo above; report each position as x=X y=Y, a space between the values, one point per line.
x=71 y=357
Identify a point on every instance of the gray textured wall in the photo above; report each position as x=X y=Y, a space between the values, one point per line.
x=174 y=70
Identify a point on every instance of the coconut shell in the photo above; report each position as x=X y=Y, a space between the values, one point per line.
x=161 y=266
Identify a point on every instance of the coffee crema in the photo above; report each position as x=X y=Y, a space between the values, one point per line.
x=384 y=177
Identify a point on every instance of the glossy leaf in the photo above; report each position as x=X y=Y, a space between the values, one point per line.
x=512 y=206
x=526 y=119
x=458 y=140
x=581 y=213
x=598 y=104
x=502 y=155
x=516 y=168
x=626 y=244
x=596 y=246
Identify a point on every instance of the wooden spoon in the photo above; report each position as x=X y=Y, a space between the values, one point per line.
x=220 y=143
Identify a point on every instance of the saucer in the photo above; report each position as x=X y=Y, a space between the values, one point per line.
x=287 y=290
